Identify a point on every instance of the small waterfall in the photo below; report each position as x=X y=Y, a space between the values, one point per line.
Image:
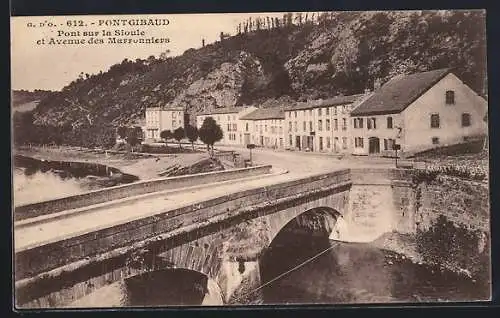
x=213 y=296
x=340 y=230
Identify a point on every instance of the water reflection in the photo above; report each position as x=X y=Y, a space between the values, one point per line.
x=360 y=273
x=38 y=180
x=31 y=186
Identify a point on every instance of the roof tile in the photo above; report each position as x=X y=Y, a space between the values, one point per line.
x=398 y=93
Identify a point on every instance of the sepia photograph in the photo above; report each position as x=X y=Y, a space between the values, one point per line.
x=242 y=159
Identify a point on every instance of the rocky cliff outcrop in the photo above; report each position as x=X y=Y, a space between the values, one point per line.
x=341 y=53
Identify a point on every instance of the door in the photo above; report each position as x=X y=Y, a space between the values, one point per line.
x=373 y=145
x=297 y=142
x=320 y=143
x=262 y=140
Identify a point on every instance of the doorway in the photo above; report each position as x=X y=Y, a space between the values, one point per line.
x=297 y=142
x=373 y=145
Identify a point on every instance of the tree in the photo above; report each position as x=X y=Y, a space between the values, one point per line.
x=134 y=136
x=166 y=135
x=210 y=132
x=192 y=134
x=178 y=135
x=122 y=132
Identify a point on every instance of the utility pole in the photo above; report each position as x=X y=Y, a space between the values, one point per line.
x=250 y=147
x=396 y=147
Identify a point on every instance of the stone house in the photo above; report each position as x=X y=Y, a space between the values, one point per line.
x=264 y=127
x=419 y=112
x=228 y=119
x=320 y=125
x=162 y=118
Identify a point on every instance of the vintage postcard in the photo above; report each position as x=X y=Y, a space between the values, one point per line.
x=241 y=159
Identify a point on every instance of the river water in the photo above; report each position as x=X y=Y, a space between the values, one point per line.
x=348 y=273
x=357 y=273
x=39 y=180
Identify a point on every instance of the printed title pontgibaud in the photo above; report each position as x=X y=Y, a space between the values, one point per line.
x=133 y=22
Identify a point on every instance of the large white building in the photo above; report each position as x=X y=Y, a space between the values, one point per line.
x=228 y=119
x=419 y=112
x=264 y=127
x=163 y=118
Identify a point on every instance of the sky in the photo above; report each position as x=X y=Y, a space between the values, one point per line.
x=52 y=67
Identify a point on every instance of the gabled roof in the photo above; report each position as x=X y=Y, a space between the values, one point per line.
x=397 y=94
x=338 y=100
x=224 y=110
x=265 y=113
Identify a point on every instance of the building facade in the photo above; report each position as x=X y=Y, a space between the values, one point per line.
x=229 y=121
x=419 y=112
x=264 y=128
x=321 y=125
x=159 y=119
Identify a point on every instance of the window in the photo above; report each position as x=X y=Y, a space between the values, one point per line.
x=319 y=111
x=310 y=126
x=320 y=125
x=246 y=127
x=327 y=111
x=228 y=118
x=358 y=122
x=465 y=120
x=435 y=140
x=290 y=139
x=344 y=142
x=389 y=122
x=358 y=142
x=335 y=110
x=369 y=123
x=304 y=126
x=344 y=124
x=328 y=124
x=295 y=126
x=328 y=142
x=335 y=124
x=289 y=126
x=310 y=112
x=228 y=127
x=435 y=121
x=388 y=144
x=295 y=114
x=265 y=128
x=450 y=97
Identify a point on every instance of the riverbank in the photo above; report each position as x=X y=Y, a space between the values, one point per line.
x=143 y=166
x=404 y=247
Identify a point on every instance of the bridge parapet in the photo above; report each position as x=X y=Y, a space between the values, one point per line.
x=102 y=256
x=133 y=189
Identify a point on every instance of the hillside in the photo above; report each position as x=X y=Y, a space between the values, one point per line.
x=337 y=53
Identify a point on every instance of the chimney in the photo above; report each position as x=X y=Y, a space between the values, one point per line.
x=377 y=83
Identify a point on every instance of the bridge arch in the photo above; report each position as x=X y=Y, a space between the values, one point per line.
x=319 y=220
x=162 y=287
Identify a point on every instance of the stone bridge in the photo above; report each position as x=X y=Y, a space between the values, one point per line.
x=221 y=239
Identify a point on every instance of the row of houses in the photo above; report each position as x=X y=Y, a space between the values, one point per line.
x=418 y=112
